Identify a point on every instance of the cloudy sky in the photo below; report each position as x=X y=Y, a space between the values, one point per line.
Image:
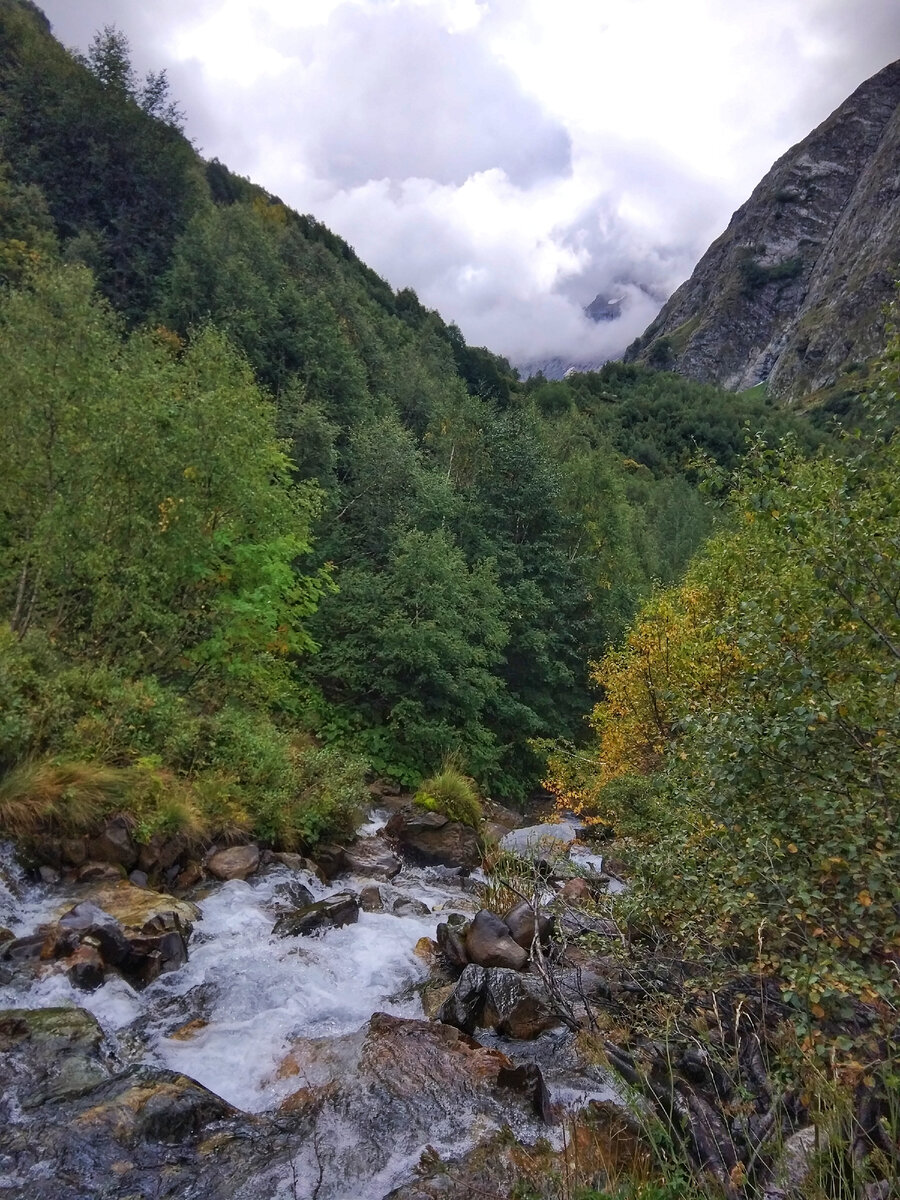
x=509 y=159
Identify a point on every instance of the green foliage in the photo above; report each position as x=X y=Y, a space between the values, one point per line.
x=756 y=275
x=403 y=658
x=102 y=149
x=80 y=742
x=779 y=796
x=453 y=794
x=178 y=560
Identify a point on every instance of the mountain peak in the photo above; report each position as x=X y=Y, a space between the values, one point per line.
x=792 y=292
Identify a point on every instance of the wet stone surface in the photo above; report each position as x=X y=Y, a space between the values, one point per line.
x=263 y=1066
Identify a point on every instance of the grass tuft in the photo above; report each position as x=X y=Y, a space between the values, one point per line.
x=453 y=794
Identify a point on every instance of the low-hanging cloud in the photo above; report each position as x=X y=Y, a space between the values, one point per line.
x=508 y=159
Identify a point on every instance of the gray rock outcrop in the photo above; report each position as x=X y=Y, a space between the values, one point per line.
x=792 y=293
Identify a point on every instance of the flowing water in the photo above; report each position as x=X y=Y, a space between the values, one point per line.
x=230 y=1017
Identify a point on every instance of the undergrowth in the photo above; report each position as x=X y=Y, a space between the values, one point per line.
x=81 y=743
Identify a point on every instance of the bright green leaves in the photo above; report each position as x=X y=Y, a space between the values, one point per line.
x=148 y=514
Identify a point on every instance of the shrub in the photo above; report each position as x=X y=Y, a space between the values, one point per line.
x=770 y=719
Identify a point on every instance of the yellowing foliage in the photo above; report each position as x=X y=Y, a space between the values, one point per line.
x=672 y=653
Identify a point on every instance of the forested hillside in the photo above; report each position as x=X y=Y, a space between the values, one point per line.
x=257 y=504
x=273 y=534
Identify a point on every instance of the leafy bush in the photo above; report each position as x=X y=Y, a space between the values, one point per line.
x=453 y=794
x=327 y=799
x=764 y=693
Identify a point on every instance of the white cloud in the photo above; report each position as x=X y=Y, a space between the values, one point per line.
x=508 y=158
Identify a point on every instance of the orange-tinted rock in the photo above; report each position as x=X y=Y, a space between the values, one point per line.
x=237 y=862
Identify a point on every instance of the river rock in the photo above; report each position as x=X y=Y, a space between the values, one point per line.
x=430 y=837
x=463 y=1007
x=114 y=845
x=541 y=842
x=370 y=899
x=236 y=862
x=160 y=853
x=433 y=999
x=139 y=932
x=452 y=944
x=296 y=862
x=331 y=913
x=73 y=1125
x=516 y=1005
x=85 y=968
x=384 y=1090
x=98 y=872
x=373 y=858
x=575 y=891
x=489 y=943
x=144 y=910
x=291 y=896
x=329 y=860
x=89 y=921
x=510 y=1002
x=520 y=923
x=27 y=948
x=50 y=1054
x=407 y=906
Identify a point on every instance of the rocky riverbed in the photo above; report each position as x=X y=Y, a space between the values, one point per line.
x=266 y=1035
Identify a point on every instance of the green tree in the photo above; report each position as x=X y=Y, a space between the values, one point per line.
x=148 y=513
x=408 y=664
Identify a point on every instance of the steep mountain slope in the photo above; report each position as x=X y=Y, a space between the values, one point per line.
x=792 y=292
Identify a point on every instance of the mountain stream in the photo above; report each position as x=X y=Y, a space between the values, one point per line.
x=252 y=1016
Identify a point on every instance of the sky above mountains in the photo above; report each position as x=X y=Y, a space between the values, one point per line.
x=508 y=159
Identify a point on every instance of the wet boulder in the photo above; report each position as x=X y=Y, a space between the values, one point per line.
x=463 y=1007
x=433 y=998
x=296 y=862
x=452 y=945
x=489 y=943
x=520 y=921
x=407 y=906
x=373 y=858
x=330 y=913
x=90 y=922
x=75 y=1125
x=235 y=862
x=509 y=1002
x=85 y=968
x=370 y=899
x=50 y=1054
x=384 y=1090
x=292 y=896
x=431 y=838
x=140 y=933
x=151 y=1105
x=541 y=842
x=329 y=859
x=516 y=1005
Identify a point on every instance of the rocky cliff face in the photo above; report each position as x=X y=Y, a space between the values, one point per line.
x=793 y=291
